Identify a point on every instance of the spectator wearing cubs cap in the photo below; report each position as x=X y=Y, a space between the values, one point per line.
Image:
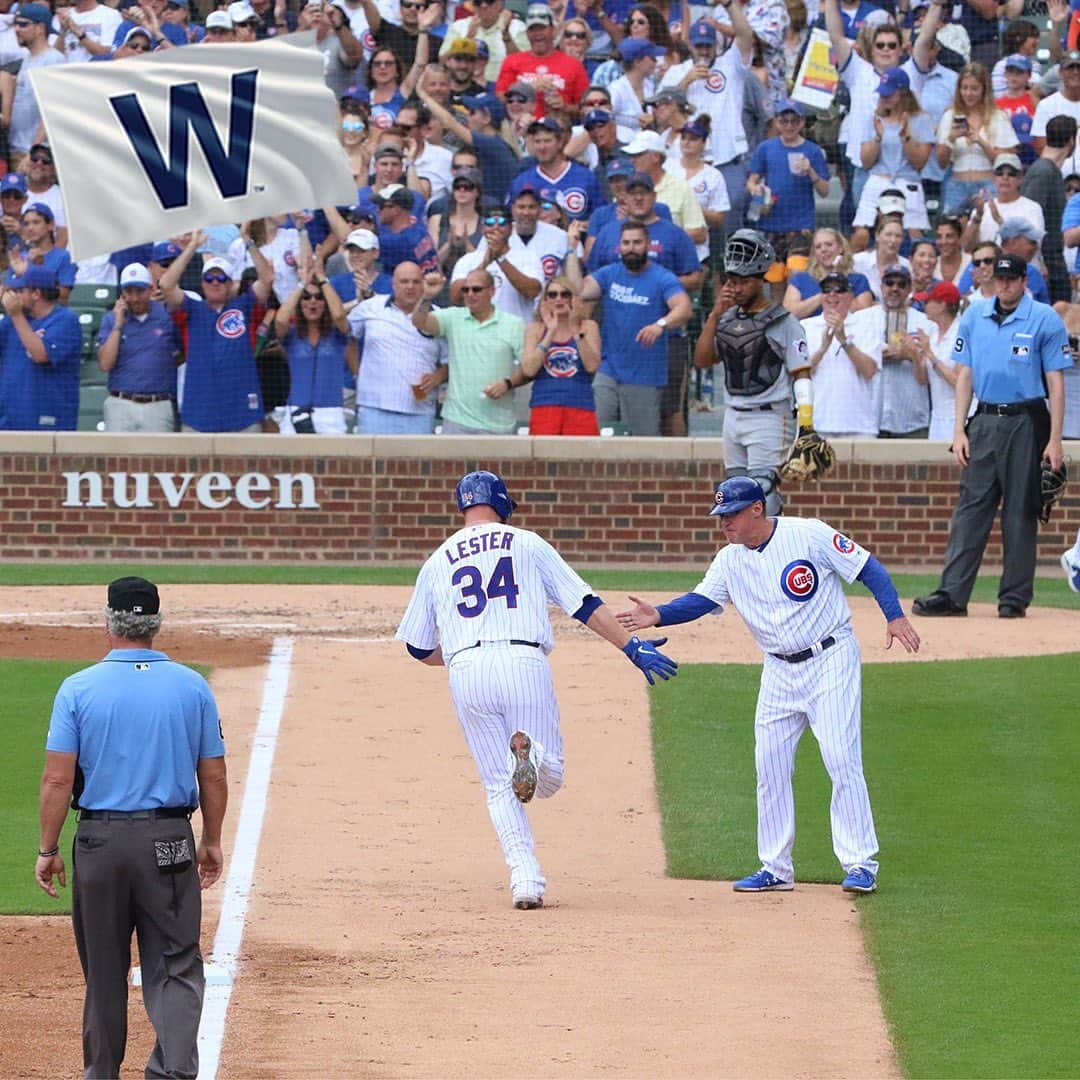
x=638 y=82
x=715 y=83
x=903 y=402
x=37 y=248
x=221 y=382
x=12 y=200
x=1018 y=102
x=401 y=236
x=460 y=229
x=40 y=347
x=546 y=241
x=643 y=22
x=138 y=347
x=390 y=167
x=559 y=79
x=574 y=187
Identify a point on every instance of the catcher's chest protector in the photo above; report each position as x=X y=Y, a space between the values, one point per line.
x=751 y=360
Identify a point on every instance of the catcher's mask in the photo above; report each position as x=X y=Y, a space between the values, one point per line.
x=484 y=489
x=748 y=254
x=735 y=494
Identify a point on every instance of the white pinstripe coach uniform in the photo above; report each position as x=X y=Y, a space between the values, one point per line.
x=483 y=596
x=789 y=594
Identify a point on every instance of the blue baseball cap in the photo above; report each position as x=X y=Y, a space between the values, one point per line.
x=39 y=208
x=13 y=182
x=544 y=123
x=702 y=33
x=735 y=494
x=619 y=166
x=787 y=105
x=1018 y=61
x=35 y=276
x=165 y=251
x=489 y=103
x=482 y=50
x=356 y=93
x=38 y=13
x=640 y=179
x=892 y=81
x=631 y=49
x=595 y=117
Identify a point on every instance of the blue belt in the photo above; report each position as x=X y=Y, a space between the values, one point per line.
x=799 y=657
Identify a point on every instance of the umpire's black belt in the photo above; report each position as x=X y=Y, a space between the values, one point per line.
x=1013 y=408
x=799 y=657
x=137 y=815
x=510 y=641
x=767 y=407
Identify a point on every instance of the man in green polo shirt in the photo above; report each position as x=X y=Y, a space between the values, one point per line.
x=484 y=347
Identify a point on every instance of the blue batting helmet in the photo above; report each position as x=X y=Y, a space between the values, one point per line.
x=735 y=494
x=484 y=489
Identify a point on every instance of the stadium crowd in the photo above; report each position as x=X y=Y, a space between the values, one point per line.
x=544 y=194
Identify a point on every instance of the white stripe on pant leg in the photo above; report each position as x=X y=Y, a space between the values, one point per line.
x=238 y=884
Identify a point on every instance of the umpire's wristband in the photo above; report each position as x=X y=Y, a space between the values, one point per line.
x=48 y=854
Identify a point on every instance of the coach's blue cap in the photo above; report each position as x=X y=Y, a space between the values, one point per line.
x=735 y=494
x=165 y=252
x=13 y=182
x=35 y=276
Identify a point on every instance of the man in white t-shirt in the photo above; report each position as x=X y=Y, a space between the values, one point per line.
x=989 y=215
x=845 y=358
x=41 y=187
x=517 y=275
x=88 y=30
x=1066 y=102
x=716 y=85
x=431 y=161
x=32 y=28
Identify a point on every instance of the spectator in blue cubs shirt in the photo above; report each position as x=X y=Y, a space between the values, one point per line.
x=178 y=13
x=40 y=349
x=38 y=247
x=641 y=302
x=793 y=169
x=363 y=279
x=221 y=382
x=138 y=346
x=573 y=186
x=402 y=238
x=388 y=167
x=855 y=16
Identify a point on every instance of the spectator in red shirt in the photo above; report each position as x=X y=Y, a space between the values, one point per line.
x=1018 y=102
x=559 y=79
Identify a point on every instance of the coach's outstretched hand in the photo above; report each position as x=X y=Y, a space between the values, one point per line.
x=647 y=656
x=640 y=616
x=901 y=630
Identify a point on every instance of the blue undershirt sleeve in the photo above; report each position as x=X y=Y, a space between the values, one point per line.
x=418 y=653
x=876 y=578
x=685 y=608
x=588 y=606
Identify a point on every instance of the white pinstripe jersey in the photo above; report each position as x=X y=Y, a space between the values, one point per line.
x=489 y=582
x=788 y=590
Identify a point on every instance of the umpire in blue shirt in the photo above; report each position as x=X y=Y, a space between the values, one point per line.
x=1011 y=351
x=135 y=744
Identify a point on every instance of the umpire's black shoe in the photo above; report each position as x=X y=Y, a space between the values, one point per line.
x=937 y=603
x=1010 y=611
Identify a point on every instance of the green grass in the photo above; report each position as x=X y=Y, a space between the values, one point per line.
x=1051 y=591
x=29 y=688
x=972 y=772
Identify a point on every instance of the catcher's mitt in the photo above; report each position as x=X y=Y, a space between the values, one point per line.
x=810 y=458
x=1052 y=488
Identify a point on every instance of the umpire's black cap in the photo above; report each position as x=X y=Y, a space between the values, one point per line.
x=1010 y=266
x=134 y=594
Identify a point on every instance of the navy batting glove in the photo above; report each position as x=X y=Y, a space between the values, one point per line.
x=647 y=656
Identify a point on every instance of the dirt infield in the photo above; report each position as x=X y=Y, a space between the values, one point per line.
x=380 y=941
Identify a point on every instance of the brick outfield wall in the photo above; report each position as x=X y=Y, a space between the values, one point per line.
x=388 y=509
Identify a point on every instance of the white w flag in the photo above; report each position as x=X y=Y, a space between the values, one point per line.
x=148 y=148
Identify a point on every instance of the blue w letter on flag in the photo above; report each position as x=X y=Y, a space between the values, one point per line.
x=186 y=106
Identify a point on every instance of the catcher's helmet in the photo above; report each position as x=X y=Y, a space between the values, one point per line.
x=484 y=489
x=735 y=494
x=748 y=254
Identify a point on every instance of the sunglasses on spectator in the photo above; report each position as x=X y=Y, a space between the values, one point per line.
x=894 y=282
x=461 y=184
x=215 y=279
x=639 y=22
x=983 y=262
x=579 y=35
x=352 y=125
x=496 y=219
x=12 y=195
x=474 y=288
x=834 y=290
x=518 y=98
x=313 y=296
x=383 y=63
x=886 y=44
x=547 y=204
x=24 y=22
x=788 y=118
x=592 y=125
x=560 y=294
x=596 y=103
x=1007 y=170
x=41 y=159
x=139 y=48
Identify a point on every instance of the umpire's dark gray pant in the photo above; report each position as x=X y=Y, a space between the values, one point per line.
x=118 y=889
x=1003 y=468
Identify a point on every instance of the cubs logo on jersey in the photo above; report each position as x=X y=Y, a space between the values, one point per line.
x=843 y=544
x=573 y=200
x=715 y=82
x=231 y=323
x=799 y=580
x=551 y=266
x=561 y=362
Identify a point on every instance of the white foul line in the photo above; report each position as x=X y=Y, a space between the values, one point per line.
x=221 y=972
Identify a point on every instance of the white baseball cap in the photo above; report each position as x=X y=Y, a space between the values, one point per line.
x=240 y=11
x=644 y=142
x=364 y=239
x=218 y=264
x=135 y=274
x=219 y=20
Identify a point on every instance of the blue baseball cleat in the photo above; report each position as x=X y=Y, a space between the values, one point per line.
x=763 y=881
x=1072 y=571
x=859 y=879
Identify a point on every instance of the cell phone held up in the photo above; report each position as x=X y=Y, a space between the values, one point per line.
x=960 y=122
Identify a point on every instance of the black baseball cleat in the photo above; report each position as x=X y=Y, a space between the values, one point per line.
x=524 y=778
x=937 y=603
x=1010 y=611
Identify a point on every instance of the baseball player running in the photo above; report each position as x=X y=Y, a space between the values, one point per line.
x=783 y=574
x=480 y=607
x=764 y=353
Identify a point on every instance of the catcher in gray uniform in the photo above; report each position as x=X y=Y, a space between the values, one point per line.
x=766 y=365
